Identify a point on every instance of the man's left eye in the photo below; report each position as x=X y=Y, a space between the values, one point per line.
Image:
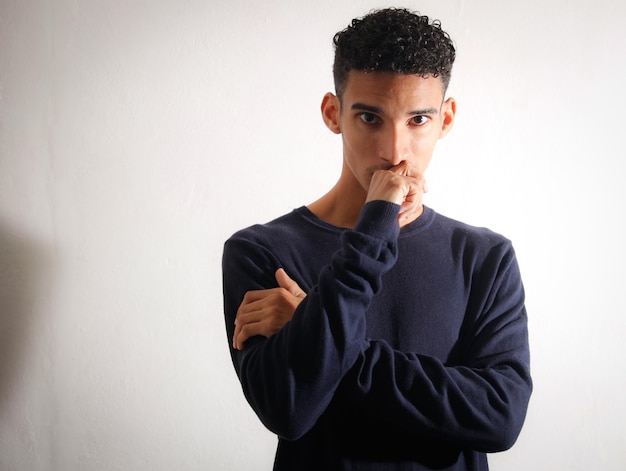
x=419 y=120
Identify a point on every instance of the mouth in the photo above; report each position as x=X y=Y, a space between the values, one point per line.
x=374 y=168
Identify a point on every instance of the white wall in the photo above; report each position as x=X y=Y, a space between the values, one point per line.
x=135 y=136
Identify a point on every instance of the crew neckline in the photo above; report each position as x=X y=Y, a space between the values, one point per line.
x=420 y=224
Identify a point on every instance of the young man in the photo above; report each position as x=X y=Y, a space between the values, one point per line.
x=368 y=331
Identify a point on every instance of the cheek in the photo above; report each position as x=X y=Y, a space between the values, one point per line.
x=422 y=151
x=359 y=148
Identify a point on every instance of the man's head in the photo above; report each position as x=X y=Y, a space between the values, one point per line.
x=393 y=40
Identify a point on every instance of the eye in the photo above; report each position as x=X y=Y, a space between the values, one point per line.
x=369 y=118
x=419 y=120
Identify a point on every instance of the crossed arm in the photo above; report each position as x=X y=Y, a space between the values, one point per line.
x=481 y=405
x=265 y=312
x=415 y=390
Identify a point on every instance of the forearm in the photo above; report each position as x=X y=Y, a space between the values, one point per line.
x=478 y=408
x=290 y=377
x=476 y=398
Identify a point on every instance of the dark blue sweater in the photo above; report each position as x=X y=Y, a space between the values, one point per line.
x=409 y=352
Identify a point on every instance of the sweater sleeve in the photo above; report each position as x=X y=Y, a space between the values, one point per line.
x=481 y=404
x=290 y=378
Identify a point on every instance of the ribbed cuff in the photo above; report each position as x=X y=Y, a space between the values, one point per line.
x=379 y=219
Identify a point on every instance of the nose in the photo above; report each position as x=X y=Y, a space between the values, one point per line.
x=395 y=145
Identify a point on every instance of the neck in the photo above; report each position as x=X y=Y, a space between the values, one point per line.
x=341 y=206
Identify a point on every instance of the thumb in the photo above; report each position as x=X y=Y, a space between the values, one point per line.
x=287 y=283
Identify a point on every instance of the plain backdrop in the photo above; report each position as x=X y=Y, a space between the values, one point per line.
x=137 y=135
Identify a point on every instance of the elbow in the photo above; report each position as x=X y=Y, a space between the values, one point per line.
x=292 y=432
x=497 y=433
x=503 y=438
x=282 y=415
x=508 y=423
x=284 y=412
x=289 y=426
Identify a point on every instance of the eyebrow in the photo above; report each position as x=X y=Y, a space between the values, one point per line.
x=377 y=110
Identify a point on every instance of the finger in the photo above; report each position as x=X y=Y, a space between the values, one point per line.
x=246 y=314
x=239 y=338
x=263 y=324
x=403 y=168
x=254 y=310
x=243 y=327
x=284 y=281
x=238 y=326
x=412 y=204
x=255 y=295
x=241 y=335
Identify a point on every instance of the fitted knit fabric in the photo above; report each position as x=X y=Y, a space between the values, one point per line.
x=409 y=352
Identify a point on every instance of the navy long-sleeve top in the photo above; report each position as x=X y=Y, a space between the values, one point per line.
x=409 y=352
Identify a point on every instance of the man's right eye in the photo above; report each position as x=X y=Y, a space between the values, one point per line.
x=369 y=118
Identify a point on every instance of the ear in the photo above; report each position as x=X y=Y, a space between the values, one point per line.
x=448 y=111
x=331 y=108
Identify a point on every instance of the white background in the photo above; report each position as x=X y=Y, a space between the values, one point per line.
x=137 y=135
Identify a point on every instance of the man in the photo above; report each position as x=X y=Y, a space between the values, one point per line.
x=368 y=331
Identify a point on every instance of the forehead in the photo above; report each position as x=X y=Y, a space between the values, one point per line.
x=393 y=88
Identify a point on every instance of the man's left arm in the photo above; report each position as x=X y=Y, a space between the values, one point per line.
x=265 y=312
x=480 y=404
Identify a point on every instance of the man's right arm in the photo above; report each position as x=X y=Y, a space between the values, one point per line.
x=290 y=377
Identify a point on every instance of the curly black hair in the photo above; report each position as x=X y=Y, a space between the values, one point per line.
x=393 y=40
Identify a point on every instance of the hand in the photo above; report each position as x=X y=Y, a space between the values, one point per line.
x=265 y=312
x=402 y=184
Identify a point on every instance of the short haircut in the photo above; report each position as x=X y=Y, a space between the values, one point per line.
x=393 y=40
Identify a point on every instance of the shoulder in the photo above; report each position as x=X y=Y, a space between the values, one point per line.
x=271 y=232
x=475 y=246
x=486 y=257
x=253 y=254
x=464 y=234
x=278 y=239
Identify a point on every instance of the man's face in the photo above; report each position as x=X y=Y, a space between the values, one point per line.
x=386 y=118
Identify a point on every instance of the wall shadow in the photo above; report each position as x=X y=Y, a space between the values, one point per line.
x=22 y=277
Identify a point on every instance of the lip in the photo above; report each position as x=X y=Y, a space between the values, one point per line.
x=374 y=168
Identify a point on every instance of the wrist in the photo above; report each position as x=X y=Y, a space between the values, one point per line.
x=380 y=219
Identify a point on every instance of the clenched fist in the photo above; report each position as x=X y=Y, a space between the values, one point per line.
x=402 y=185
